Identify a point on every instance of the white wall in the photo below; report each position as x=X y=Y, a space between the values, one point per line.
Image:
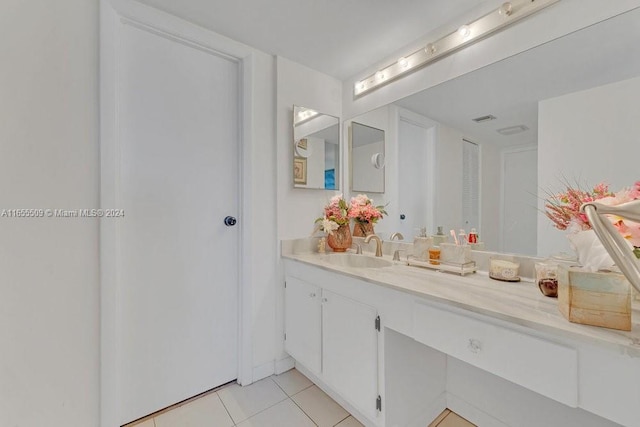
x=560 y=19
x=489 y=196
x=589 y=136
x=297 y=208
x=448 y=183
x=49 y=309
x=365 y=174
x=302 y=86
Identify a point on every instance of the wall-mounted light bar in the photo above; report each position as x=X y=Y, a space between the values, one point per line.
x=507 y=14
x=303 y=115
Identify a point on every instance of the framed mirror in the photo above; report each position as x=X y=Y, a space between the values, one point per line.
x=316 y=150
x=367 y=158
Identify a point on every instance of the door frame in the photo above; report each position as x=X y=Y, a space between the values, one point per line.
x=114 y=14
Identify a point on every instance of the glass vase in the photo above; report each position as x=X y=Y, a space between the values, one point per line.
x=363 y=229
x=340 y=240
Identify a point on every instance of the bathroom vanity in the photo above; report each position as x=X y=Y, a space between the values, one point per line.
x=396 y=344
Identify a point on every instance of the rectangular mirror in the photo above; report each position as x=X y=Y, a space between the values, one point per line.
x=554 y=113
x=367 y=158
x=316 y=149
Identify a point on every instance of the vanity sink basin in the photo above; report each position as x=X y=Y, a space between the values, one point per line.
x=357 y=261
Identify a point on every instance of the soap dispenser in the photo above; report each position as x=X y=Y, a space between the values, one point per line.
x=439 y=237
x=421 y=244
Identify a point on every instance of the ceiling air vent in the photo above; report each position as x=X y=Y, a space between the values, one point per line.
x=512 y=130
x=483 y=119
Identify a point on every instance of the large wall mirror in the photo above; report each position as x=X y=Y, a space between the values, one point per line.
x=316 y=149
x=367 y=158
x=483 y=150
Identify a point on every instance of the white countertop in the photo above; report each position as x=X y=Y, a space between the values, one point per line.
x=517 y=302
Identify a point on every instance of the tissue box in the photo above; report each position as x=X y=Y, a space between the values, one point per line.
x=455 y=254
x=598 y=299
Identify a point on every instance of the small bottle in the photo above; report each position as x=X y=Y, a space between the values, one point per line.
x=322 y=244
x=473 y=236
x=462 y=237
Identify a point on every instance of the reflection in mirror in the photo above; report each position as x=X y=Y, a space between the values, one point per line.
x=554 y=112
x=316 y=149
x=367 y=158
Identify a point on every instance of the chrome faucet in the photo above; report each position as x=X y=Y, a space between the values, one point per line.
x=378 y=243
x=398 y=235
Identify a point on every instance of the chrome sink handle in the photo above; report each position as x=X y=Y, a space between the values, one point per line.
x=358 y=248
x=378 y=243
x=398 y=235
x=613 y=242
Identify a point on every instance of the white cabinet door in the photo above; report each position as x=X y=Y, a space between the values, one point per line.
x=350 y=351
x=303 y=323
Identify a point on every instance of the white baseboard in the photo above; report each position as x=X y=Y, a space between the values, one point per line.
x=263 y=371
x=471 y=413
x=283 y=365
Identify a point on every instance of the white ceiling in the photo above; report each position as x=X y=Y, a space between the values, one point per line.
x=511 y=89
x=337 y=37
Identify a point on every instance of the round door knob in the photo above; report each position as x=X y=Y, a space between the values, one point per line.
x=229 y=221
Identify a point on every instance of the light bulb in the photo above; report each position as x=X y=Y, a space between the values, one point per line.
x=430 y=49
x=380 y=75
x=403 y=62
x=464 y=31
x=506 y=9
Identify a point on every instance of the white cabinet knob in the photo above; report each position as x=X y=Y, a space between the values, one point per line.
x=324 y=300
x=474 y=346
x=312 y=294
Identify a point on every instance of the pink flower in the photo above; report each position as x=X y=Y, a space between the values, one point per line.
x=363 y=210
x=563 y=209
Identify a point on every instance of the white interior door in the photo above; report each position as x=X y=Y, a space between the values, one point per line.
x=415 y=177
x=177 y=301
x=519 y=201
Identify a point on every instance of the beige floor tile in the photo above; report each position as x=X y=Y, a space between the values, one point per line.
x=350 y=422
x=455 y=420
x=439 y=418
x=206 y=411
x=323 y=410
x=292 y=381
x=244 y=402
x=282 y=414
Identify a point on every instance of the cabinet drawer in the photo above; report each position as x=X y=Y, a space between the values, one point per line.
x=539 y=365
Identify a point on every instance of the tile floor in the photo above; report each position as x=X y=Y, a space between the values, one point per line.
x=450 y=419
x=285 y=400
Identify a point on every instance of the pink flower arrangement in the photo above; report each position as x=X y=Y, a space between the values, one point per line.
x=563 y=209
x=336 y=211
x=363 y=210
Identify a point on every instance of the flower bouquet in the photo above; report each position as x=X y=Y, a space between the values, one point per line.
x=335 y=223
x=563 y=209
x=365 y=214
